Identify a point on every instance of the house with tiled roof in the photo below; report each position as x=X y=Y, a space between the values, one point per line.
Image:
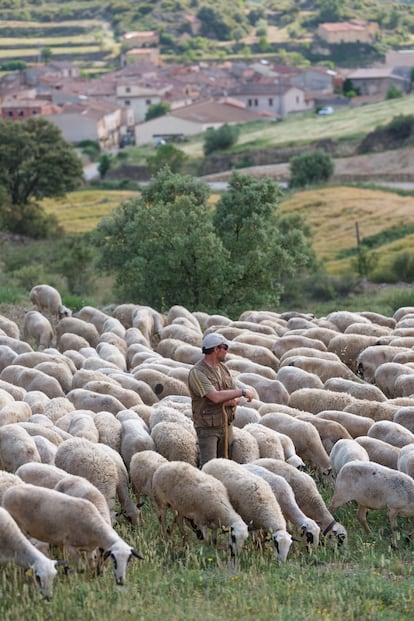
x=377 y=80
x=272 y=97
x=351 y=31
x=90 y=119
x=21 y=109
x=194 y=119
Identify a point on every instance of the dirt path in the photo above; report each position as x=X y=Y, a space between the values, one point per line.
x=395 y=165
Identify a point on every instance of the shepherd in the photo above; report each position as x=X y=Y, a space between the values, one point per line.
x=214 y=398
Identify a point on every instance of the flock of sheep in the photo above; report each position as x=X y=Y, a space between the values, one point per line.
x=95 y=415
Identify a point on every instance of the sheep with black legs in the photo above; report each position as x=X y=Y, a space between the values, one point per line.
x=254 y=500
x=308 y=498
x=197 y=496
x=16 y=548
x=59 y=519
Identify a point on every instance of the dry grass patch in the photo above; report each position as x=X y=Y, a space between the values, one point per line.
x=332 y=214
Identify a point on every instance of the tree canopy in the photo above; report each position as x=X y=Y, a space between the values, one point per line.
x=171 y=246
x=35 y=162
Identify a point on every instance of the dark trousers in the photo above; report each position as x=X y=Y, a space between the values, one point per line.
x=211 y=442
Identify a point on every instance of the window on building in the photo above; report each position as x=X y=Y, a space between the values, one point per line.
x=148 y=102
x=127 y=102
x=250 y=103
x=21 y=113
x=10 y=113
x=256 y=102
x=34 y=112
x=127 y=89
x=297 y=99
x=270 y=102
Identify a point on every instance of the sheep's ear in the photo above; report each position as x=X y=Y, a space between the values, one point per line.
x=106 y=554
x=136 y=554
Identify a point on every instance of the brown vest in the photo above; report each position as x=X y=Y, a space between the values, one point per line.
x=205 y=412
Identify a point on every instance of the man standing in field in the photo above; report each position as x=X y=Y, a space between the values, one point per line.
x=214 y=399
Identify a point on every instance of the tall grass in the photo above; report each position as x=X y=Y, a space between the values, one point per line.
x=175 y=581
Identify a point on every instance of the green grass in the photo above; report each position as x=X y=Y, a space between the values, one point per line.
x=346 y=123
x=366 y=580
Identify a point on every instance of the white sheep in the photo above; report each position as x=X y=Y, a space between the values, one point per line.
x=374 y=486
x=175 y=442
x=134 y=438
x=16 y=548
x=8 y=479
x=141 y=470
x=405 y=461
x=197 y=496
x=391 y=432
x=17 y=447
x=38 y=328
x=243 y=447
x=82 y=488
x=59 y=519
x=356 y=425
x=344 y=451
x=268 y=440
x=308 y=498
x=46 y=448
x=254 y=500
x=379 y=451
x=9 y=327
x=307 y=528
x=43 y=475
x=84 y=458
x=77 y=326
x=304 y=435
x=32 y=380
x=47 y=298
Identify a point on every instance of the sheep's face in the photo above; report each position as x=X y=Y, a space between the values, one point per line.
x=310 y=533
x=64 y=312
x=121 y=553
x=238 y=535
x=282 y=541
x=44 y=574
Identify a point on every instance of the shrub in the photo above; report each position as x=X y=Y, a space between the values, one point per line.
x=222 y=138
x=310 y=167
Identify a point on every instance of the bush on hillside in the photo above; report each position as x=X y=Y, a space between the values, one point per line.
x=310 y=167
x=222 y=138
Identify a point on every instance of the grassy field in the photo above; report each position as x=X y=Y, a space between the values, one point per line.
x=364 y=581
x=345 y=123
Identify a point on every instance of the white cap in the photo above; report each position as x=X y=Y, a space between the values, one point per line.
x=213 y=339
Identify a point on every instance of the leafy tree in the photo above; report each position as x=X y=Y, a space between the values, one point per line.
x=330 y=10
x=310 y=167
x=46 y=55
x=214 y=24
x=349 y=90
x=393 y=92
x=157 y=109
x=105 y=163
x=221 y=138
x=264 y=246
x=35 y=162
x=162 y=246
x=166 y=155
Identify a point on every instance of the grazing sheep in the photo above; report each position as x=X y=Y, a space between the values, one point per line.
x=84 y=399
x=324 y=369
x=405 y=417
x=308 y=498
x=17 y=447
x=109 y=429
x=82 y=488
x=307 y=527
x=254 y=500
x=372 y=357
x=16 y=548
x=9 y=327
x=268 y=390
x=245 y=415
x=15 y=344
x=315 y=400
x=134 y=438
x=32 y=380
x=141 y=470
x=43 y=475
x=380 y=452
x=59 y=519
x=391 y=432
x=7 y=356
x=83 y=458
x=405 y=461
x=329 y=431
x=38 y=328
x=47 y=298
x=344 y=451
x=46 y=448
x=304 y=435
x=359 y=390
x=243 y=446
x=293 y=378
x=374 y=486
x=197 y=496
x=79 y=327
x=354 y=424
x=8 y=479
x=176 y=443
x=268 y=440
